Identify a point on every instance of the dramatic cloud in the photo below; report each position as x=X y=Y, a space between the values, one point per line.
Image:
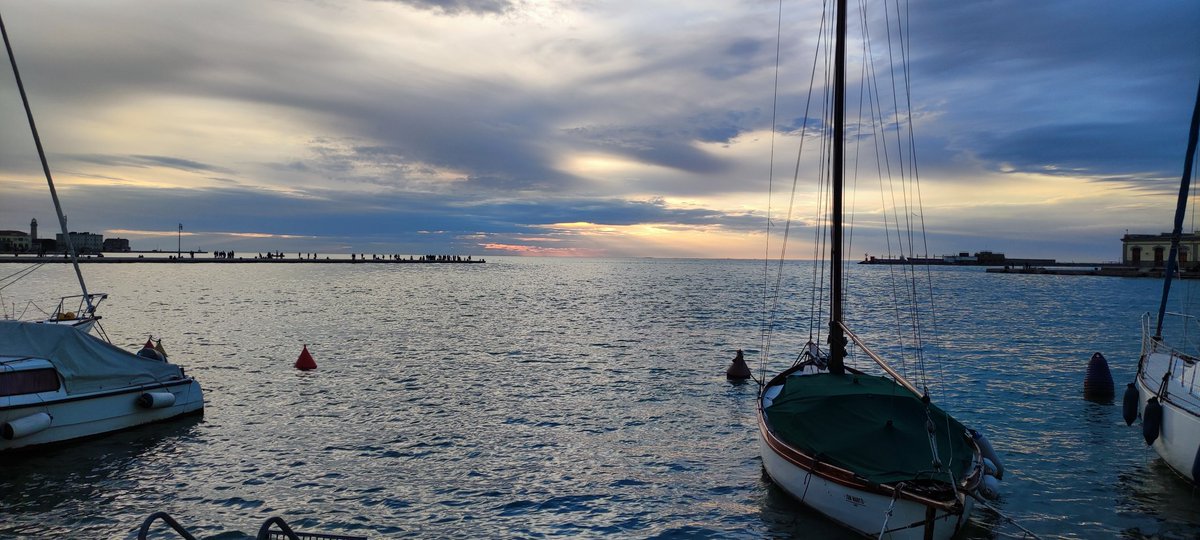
x=454 y=7
x=619 y=128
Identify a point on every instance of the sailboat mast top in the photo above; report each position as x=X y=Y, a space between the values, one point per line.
x=62 y=220
x=837 y=340
x=1180 y=208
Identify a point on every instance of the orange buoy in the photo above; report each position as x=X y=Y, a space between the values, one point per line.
x=305 y=362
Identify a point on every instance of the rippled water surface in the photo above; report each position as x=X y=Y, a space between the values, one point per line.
x=545 y=397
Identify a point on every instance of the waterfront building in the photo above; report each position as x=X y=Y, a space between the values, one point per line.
x=116 y=245
x=1152 y=250
x=14 y=241
x=84 y=242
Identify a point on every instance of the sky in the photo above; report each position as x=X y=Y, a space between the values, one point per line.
x=622 y=128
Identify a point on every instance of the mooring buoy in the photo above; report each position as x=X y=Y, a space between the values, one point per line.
x=305 y=362
x=738 y=370
x=1098 y=383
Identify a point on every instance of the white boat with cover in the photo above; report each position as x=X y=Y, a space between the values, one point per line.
x=1166 y=391
x=58 y=383
x=871 y=451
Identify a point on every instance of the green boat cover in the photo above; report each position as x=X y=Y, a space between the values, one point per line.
x=869 y=425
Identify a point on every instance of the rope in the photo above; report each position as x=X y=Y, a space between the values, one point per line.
x=888 y=515
x=19 y=275
x=1028 y=533
x=764 y=343
x=769 y=314
x=808 y=479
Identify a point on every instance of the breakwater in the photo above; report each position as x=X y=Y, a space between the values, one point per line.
x=242 y=260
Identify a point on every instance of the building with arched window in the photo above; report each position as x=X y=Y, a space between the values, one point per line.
x=1152 y=250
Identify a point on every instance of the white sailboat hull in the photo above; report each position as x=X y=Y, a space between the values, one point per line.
x=80 y=416
x=862 y=511
x=1179 y=438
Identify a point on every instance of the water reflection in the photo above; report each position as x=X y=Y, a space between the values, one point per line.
x=43 y=485
x=539 y=397
x=785 y=517
x=1153 y=489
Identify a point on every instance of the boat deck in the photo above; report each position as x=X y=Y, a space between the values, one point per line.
x=868 y=425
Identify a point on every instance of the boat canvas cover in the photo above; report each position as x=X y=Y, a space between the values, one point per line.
x=869 y=425
x=85 y=363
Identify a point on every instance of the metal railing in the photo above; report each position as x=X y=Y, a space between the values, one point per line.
x=265 y=532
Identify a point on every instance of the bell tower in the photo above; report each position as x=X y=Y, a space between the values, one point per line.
x=33 y=231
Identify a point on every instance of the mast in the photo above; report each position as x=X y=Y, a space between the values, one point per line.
x=62 y=221
x=1180 y=207
x=837 y=339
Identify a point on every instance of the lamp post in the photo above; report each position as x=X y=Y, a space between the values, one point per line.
x=179 y=242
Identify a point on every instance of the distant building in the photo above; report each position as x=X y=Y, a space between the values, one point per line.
x=116 y=245
x=1152 y=250
x=962 y=258
x=14 y=241
x=84 y=242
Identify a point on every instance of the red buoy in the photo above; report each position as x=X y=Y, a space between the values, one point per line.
x=305 y=362
x=149 y=343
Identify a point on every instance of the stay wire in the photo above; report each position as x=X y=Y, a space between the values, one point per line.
x=795 y=178
x=764 y=335
x=909 y=270
x=23 y=273
x=879 y=133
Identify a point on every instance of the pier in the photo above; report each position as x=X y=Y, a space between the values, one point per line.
x=185 y=259
x=1098 y=270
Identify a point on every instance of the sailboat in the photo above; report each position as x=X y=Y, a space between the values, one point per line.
x=1166 y=390
x=871 y=452
x=59 y=383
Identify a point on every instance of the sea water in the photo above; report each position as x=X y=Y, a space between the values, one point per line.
x=531 y=397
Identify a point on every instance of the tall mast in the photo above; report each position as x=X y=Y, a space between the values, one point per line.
x=62 y=221
x=1180 y=207
x=837 y=339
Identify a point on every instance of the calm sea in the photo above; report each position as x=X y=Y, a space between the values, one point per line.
x=548 y=397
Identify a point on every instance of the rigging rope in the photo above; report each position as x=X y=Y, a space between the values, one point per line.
x=764 y=336
x=15 y=277
x=980 y=500
x=769 y=319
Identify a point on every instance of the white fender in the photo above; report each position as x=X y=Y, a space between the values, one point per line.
x=990 y=487
x=26 y=425
x=156 y=400
x=985 y=448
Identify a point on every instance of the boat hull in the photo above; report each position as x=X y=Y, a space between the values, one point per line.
x=86 y=415
x=1179 y=438
x=863 y=511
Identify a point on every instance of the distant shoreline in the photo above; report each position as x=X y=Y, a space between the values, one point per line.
x=236 y=260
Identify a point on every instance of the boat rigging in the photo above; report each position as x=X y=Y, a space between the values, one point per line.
x=872 y=452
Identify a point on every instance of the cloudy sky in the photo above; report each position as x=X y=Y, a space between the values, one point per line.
x=587 y=128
